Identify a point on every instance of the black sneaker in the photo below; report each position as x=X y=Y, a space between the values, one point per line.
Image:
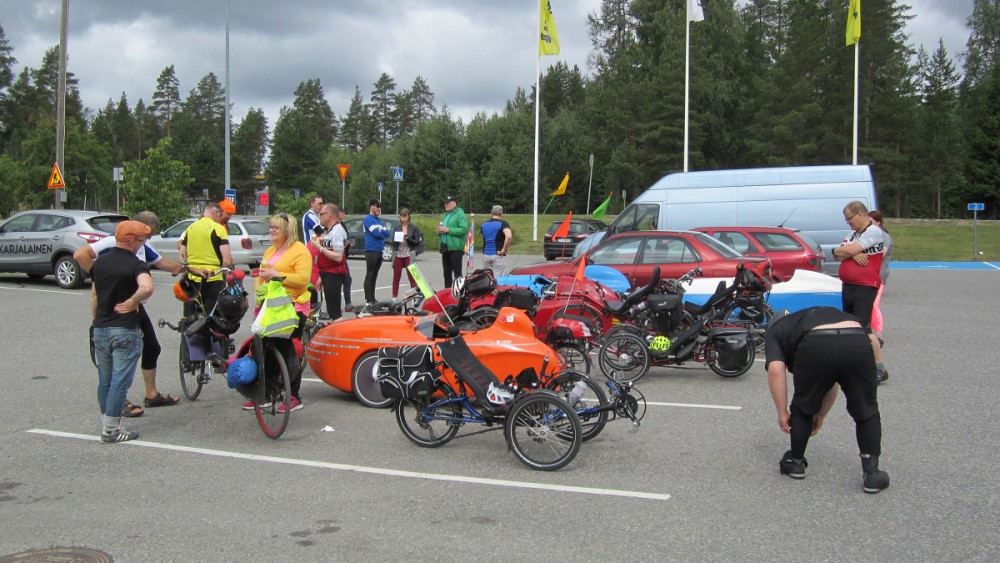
x=118 y=435
x=794 y=468
x=874 y=478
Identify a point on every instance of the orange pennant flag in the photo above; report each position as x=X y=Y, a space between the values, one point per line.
x=563 y=230
x=581 y=269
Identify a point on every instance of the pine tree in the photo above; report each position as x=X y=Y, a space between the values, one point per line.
x=353 y=125
x=166 y=98
x=381 y=108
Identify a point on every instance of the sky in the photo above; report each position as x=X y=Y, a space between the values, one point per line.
x=472 y=53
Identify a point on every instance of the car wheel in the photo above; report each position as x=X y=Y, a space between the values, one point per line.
x=68 y=273
x=388 y=253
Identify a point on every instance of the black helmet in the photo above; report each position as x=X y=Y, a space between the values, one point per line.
x=222 y=326
x=231 y=306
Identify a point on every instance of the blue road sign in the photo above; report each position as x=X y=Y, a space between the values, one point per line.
x=231 y=192
x=397 y=174
x=977 y=206
x=380 y=186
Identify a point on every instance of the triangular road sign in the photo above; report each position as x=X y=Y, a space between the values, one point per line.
x=343 y=168
x=56 y=178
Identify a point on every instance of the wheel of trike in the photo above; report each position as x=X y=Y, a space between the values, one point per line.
x=574 y=357
x=192 y=373
x=543 y=431
x=591 y=421
x=624 y=356
x=746 y=359
x=273 y=402
x=484 y=317
x=429 y=422
x=364 y=384
x=585 y=311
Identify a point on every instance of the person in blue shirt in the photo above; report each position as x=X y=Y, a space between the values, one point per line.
x=375 y=234
x=497 y=237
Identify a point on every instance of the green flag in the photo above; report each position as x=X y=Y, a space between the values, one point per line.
x=602 y=208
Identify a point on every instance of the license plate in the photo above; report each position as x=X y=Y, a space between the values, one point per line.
x=265 y=243
x=563 y=240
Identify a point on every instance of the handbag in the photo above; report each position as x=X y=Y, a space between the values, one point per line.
x=277 y=317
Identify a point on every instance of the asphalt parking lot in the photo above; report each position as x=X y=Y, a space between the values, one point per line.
x=698 y=481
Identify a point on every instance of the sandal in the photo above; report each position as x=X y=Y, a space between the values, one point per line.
x=161 y=400
x=131 y=411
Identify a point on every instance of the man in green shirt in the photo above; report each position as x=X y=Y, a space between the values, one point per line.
x=454 y=229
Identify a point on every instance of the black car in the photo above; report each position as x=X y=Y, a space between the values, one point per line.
x=355 y=229
x=579 y=229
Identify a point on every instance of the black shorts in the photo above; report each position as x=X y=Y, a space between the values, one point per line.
x=824 y=359
x=858 y=300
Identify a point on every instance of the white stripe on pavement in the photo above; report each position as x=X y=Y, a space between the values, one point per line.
x=369 y=470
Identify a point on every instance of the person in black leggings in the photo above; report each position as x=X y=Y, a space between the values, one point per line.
x=825 y=349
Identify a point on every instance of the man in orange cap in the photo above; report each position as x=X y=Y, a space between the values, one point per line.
x=121 y=283
x=228 y=210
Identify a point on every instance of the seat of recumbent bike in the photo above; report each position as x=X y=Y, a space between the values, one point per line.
x=722 y=292
x=490 y=393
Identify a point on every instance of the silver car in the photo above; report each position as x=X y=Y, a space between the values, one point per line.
x=248 y=239
x=41 y=243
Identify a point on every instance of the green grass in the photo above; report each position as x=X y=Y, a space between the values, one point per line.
x=916 y=240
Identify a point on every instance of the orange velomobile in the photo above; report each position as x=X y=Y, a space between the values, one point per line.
x=345 y=353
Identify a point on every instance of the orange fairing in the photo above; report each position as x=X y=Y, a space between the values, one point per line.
x=506 y=347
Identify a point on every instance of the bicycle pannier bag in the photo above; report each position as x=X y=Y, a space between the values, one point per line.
x=667 y=310
x=480 y=282
x=406 y=372
x=517 y=297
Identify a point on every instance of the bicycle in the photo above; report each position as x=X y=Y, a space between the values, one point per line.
x=205 y=334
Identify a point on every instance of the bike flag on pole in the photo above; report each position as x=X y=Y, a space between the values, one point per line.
x=425 y=289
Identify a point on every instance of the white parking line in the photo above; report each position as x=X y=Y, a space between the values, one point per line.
x=60 y=292
x=648 y=403
x=369 y=470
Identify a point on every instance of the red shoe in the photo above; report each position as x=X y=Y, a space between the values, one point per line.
x=296 y=405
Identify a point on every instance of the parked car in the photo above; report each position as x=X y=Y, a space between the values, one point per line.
x=248 y=239
x=636 y=253
x=355 y=229
x=579 y=229
x=788 y=249
x=41 y=243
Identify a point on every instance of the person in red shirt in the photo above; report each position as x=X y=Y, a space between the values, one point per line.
x=860 y=257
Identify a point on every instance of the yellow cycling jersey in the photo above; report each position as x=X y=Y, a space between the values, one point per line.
x=204 y=240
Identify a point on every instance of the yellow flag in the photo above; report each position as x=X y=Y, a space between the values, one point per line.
x=562 y=186
x=854 y=22
x=548 y=38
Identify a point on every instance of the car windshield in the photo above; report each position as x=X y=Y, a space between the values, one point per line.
x=106 y=223
x=255 y=227
x=718 y=247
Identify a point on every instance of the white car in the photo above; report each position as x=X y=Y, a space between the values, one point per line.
x=248 y=239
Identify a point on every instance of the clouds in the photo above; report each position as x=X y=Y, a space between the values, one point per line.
x=473 y=55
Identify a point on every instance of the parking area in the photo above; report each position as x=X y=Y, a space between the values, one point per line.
x=699 y=480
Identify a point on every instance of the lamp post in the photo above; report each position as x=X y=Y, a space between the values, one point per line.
x=590 y=183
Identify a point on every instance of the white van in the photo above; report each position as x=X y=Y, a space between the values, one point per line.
x=808 y=198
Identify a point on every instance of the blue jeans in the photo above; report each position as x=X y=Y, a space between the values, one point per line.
x=118 y=350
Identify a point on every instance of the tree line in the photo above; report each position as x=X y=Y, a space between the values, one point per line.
x=771 y=85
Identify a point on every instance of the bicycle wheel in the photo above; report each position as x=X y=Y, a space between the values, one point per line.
x=586 y=311
x=273 y=390
x=427 y=425
x=574 y=357
x=624 y=356
x=543 y=431
x=192 y=373
x=592 y=422
x=484 y=317
x=364 y=384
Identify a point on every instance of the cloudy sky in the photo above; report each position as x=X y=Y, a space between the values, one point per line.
x=473 y=53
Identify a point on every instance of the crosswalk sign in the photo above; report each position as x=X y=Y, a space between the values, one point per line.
x=397 y=174
x=56 y=178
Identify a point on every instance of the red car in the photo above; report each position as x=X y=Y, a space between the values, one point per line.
x=636 y=253
x=788 y=249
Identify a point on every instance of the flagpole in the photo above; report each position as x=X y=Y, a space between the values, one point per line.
x=687 y=79
x=857 y=60
x=538 y=88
